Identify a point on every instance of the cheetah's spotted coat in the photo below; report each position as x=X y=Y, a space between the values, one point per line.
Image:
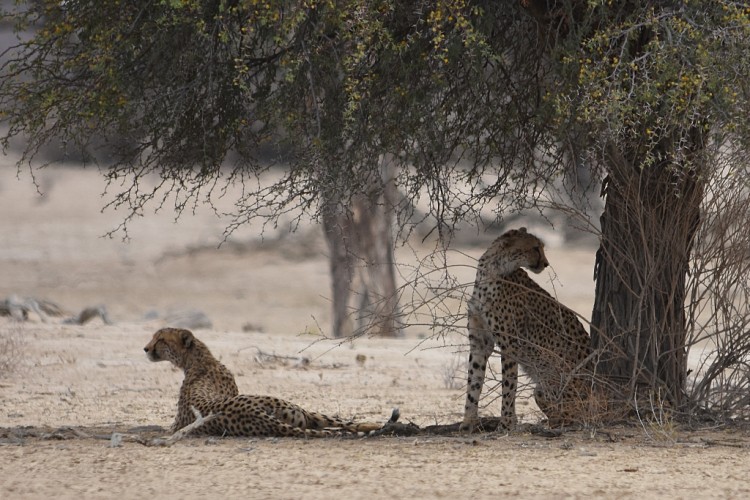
x=210 y=387
x=531 y=328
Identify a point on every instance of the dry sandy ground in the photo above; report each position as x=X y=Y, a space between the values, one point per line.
x=95 y=378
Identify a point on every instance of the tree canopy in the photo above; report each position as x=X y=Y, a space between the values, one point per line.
x=513 y=92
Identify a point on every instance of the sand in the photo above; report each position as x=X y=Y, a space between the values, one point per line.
x=268 y=303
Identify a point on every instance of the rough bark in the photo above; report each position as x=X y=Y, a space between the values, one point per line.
x=648 y=224
x=361 y=245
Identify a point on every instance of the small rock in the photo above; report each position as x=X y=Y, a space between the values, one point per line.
x=116 y=440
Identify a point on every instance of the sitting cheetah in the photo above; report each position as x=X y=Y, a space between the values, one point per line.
x=210 y=387
x=530 y=328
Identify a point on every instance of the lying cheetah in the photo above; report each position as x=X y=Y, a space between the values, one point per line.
x=510 y=310
x=210 y=388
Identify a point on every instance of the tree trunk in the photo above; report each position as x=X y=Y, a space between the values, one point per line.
x=638 y=321
x=362 y=263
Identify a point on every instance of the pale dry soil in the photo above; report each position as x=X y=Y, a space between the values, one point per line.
x=70 y=381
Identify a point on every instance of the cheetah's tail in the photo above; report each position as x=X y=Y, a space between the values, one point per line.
x=320 y=421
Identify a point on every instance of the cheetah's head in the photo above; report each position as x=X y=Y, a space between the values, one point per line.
x=170 y=344
x=516 y=248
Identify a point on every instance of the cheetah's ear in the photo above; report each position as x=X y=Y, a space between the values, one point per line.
x=187 y=338
x=522 y=230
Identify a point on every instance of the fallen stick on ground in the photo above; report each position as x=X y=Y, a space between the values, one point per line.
x=116 y=439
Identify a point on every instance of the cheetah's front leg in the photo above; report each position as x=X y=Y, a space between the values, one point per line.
x=510 y=385
x=481 y=345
